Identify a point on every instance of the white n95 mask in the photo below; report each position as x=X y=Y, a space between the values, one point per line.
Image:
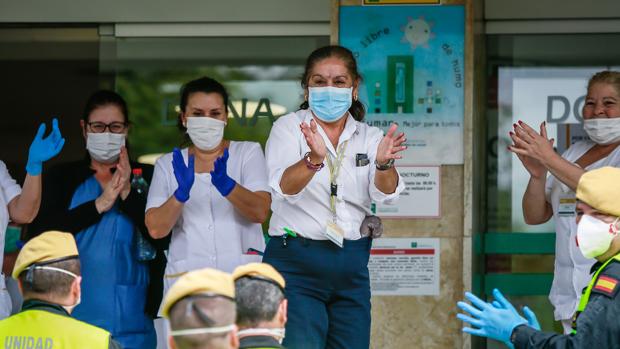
x=105 y=147
x=594 y=236
x=603 y=130
x=205 y=132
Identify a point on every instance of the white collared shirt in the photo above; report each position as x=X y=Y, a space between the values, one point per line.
x=572 y=270
x=210 y=232
x=308 y=211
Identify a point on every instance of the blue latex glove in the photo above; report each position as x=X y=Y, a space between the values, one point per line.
x=489 y=321
x=501 y=302
x=183 y=174
x=219 y=178
x=43 y=149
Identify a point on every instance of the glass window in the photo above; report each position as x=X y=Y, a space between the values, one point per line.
x=261 y=75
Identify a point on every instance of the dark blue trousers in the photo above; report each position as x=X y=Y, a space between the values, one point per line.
x=328 y=292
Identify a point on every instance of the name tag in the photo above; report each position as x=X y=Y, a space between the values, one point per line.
x=335 y=234
x=567 y=206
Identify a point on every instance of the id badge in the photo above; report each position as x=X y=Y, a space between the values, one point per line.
x=568 y=203
x=334 y=233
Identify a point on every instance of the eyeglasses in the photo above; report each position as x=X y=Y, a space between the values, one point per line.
x=114 y=127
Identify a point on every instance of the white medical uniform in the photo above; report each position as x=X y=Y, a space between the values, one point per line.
x=572 y=269
x=308 y=211
x=210 y=232
x=10 y=189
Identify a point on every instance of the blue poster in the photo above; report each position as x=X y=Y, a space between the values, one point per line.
x=411 y=61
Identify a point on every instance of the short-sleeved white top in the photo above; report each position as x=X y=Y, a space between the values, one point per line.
x=10 y=189
x=572 y=269
x=308 y=211
x=210 y=232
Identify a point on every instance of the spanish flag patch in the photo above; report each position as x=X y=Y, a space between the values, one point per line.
x=606 y=284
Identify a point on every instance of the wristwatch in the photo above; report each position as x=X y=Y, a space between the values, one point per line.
x=382 y=167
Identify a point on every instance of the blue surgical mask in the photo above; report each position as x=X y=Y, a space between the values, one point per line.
x=329 y=104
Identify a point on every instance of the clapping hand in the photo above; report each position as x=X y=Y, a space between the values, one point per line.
x=43 y=149
x=532 y=148
x=219 y=178
x=491 y=321
x=183 y=174
x=390 y=146
x=123 y=168
x=315 y=142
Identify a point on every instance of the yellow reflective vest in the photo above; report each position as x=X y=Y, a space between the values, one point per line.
x=41 y=329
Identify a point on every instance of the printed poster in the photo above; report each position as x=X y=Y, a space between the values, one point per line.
x=421 y=197
x=411 y=59
x=404 y=267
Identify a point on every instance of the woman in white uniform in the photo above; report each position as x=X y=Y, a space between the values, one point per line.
x=21 y=205
x=211 y=196
x=554 y=195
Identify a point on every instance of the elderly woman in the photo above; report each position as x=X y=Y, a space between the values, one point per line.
x=325 y=167
x=554 y=195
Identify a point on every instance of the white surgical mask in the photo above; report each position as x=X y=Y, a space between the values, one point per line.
x=68 y=308
x=205 y=132
x=105 y=147
x=278 y=333
x=603 y=130
x=329 y=103
x=594 y=236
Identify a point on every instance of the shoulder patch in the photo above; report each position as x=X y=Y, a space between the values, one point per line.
x=606 y=285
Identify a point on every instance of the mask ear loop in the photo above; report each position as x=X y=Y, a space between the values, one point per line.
x=613 y=228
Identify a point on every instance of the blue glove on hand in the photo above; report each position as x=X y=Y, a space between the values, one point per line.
x=43 y=149
x=183 y=174
x=501 y=302
x=219 y=178
x=489 y=321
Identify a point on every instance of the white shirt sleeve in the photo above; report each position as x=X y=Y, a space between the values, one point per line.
x=159 y=191
x=10 y=188
x=374 y=137
x=282 y=151
x=254 y=169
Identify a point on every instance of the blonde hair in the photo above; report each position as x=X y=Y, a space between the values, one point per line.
x=609 y=77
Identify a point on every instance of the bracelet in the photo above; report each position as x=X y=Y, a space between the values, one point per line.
x=310 y=165
x=382 y=167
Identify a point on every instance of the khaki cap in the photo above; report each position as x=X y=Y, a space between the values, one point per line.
x=259 y=270
x=47 y=247
x=600 y=189
x=205 y=281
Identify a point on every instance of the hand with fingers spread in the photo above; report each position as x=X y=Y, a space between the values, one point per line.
x=183 y=174
x=488 y=320
x=501 y=302
x=43 y=149
x=315 y=141
x=391 y=144
x=532 y=148
x=219 y=176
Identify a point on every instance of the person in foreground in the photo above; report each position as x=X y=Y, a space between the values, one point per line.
x=200 y=308
x=261 y=306
x=48 y=273
x=596 y=324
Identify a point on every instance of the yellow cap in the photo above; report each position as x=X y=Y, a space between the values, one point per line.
x=261 y=270
x=47 y=247
x=600 y=189
x=205 y=281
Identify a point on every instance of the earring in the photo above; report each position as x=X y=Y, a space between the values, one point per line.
x=305 y=97
x=355 y=98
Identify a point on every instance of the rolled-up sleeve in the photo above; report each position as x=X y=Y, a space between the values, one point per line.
x=282 y=151
x=375 y=194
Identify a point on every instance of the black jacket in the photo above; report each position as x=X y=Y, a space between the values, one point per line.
x=598 y=327
x=59 y=185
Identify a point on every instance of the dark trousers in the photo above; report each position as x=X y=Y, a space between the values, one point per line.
x=328 y=291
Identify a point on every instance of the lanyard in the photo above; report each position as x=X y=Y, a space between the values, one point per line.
x=334 y=171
